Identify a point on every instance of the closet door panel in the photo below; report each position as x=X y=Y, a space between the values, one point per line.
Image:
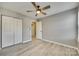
x=18 y=31
x=11 y=31
x=39 y=30
x=7 y=31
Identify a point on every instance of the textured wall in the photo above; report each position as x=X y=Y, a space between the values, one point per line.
x=61 y=27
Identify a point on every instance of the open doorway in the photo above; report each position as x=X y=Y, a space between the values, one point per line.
x=36 y=30
x=33 y=30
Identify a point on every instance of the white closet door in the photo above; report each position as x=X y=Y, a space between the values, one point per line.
x=18 y=31
x=7 y=31
x=39 y=30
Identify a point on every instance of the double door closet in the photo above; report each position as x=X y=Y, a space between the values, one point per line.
x=11 y=31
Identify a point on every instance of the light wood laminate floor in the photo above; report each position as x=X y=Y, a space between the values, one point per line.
x=38 y=48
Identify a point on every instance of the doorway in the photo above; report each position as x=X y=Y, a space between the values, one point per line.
x=33 y=31
x=36 y=30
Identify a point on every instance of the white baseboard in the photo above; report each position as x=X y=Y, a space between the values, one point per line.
x=61 y=44
x=27 y=41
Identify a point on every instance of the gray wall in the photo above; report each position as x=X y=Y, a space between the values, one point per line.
x=78 y=27
x=61 y=27
x=0 y=30
x=78 y=24
x=25 y=22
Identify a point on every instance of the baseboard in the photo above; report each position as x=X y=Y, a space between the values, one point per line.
x=61 y=44
x=27 y=41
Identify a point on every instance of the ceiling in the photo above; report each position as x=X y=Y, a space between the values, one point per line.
x=22 y=7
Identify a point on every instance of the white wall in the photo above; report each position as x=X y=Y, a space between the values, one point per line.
x=61 y=27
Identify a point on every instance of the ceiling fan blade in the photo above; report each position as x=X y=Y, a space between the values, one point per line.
x=47 y=7
x=43 y=13
x=34 y=4
x=29 y=11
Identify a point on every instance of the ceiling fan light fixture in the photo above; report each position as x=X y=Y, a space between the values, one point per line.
x=38 y=11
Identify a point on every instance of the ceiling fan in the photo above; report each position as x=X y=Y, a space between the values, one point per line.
x=38 y=9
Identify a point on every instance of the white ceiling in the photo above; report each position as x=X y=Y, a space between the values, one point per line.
x=22 y=7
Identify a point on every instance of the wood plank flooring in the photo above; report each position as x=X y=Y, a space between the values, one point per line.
x=38 y=48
